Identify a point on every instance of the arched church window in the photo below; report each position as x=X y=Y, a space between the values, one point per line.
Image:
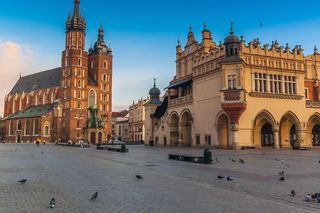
x=92 y=98
x=36 y=127
x=46 y=129
x=28 y=128
x=19 y=127
x=105 y=64
x=11 y=128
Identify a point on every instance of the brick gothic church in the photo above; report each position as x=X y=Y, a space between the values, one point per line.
x=71 y=102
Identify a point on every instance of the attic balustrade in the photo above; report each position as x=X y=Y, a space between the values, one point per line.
x=181 y=100
x=312 y=104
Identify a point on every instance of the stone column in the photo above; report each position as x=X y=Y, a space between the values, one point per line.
x=234 y=136
x=180 y=134
x=276 y=139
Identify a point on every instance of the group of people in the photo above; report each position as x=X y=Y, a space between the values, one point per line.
x=311 y=197
x=39 y=140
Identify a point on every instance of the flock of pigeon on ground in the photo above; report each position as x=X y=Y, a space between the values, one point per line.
x=52 y=202
x=309 y=197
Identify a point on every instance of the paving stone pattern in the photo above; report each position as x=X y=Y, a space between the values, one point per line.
x=72 y=175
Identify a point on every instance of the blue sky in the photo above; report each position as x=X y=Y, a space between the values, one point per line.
x=143 y=34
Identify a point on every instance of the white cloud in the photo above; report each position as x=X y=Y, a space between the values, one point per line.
x=14 y=59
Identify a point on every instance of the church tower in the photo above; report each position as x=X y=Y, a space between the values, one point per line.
x=74 y=77
x=100 y=72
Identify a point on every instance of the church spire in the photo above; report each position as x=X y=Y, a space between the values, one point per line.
x=76 y=9
x=77 y=22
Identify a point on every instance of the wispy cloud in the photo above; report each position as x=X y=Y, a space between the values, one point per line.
x=13 y=59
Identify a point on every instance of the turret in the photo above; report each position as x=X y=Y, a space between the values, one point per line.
x=100 y=47
x=191 y=39
x=207 y=42
x=178 y=48
x=232 y=44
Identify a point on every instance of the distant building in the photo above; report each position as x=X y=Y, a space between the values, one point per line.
x=237 y=94
x=71 y=102
x=150 y=107
x=120 y=126
x=137 y=121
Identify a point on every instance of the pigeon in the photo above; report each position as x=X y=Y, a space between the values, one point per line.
x=281 y=179
x=233 y=160
x=309 y=197
x=283 y=162
x=293 y=193
x=241 y=161
x=52 y=203
x=220 y=177
x=139 y=177
x=94 y=196
x=319 y=161
x=281 y=173
x=22 y=180
x=217 y=160
x=229 y=178
x=260 y=24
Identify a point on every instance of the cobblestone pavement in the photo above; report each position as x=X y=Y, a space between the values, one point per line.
x=72 y=175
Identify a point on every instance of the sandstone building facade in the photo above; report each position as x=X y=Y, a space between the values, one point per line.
x=238 y=94
x=71 y=102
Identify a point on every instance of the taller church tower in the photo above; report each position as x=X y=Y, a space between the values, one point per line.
x=74 y=77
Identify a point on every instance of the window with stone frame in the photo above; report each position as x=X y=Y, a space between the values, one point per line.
x=306 y=93
x=260 y=82
x=290 y=85
x=208 y=139
x=232 y=81
x=198 y=139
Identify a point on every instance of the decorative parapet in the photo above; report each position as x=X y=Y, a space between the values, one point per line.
x=233 y=96
x=312 y=104
x=181 y=100
x=275 y=96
